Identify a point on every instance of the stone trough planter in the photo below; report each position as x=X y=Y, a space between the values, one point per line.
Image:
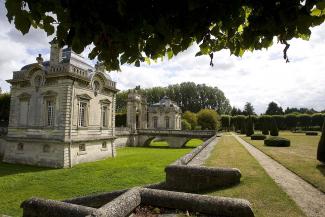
x=199 y=178
x=124 y=204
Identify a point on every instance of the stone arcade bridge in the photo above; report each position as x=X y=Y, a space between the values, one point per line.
x=175 y=138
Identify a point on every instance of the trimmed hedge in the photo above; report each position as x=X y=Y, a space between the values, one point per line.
x=277 y=141
x=321 y=146
x=258 y=137
x=249 y=126
x=311 y=133
x=273 y=128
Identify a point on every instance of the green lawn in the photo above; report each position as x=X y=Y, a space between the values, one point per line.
x=131 y=167
x=193 y=143
x=300 y=157
x=267 y=198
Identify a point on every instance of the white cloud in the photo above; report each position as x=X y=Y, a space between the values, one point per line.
x=16 y=49
x=258 y=77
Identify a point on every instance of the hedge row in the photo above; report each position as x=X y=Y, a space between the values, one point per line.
x=265 y=123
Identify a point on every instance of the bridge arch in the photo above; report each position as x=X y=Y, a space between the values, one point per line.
x=175 y=138
x=148 y=141
x=189 y=139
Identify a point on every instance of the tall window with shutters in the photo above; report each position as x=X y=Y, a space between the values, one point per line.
x=167 y=122
x=82 y=114
x=155 y=122
x=104 y=116
x=50 y=112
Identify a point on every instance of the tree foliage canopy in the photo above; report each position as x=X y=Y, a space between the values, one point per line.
x=137 y=31
x=273 y=109
x=191 y=118
x=188 y=96
x=248 y=109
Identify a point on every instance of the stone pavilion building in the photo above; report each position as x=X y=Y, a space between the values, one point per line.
x=164 y=115
x=62 y=112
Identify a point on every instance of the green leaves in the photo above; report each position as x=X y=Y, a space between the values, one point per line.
x=48 y=27
x=77 y=45
x=22 y=22
x=134 y=32
x=170 y=53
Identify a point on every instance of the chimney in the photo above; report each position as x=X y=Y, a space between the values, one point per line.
x=56 y=53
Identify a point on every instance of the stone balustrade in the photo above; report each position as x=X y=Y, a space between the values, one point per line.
x=122 y=131
x=182 y=133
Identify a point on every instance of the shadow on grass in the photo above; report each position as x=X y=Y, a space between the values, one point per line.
x=321 y=168
x=7 y=169
x=164 y=147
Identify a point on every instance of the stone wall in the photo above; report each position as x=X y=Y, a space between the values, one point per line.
x=182 y=177
x=122 y=141
x=56 y=154
x=199 y=178
x=35 y=153
x=123 y=203
x=94 y=151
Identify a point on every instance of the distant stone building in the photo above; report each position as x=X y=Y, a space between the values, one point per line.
x=164 y=115
x=136 y=110
x=62 y=112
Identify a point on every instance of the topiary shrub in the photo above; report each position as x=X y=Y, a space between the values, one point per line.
x=273 y=127
x=208 y=119
x=241 y=119
x=258 y=137
x=277 y=141
x=311 y=133
x=265 y=122
x=321 y=146
x=249 y=127
x=191 y=118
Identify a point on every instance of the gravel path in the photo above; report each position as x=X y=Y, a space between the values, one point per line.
x=199 y=159
x=308 y=198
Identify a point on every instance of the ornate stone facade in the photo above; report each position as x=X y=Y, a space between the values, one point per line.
x=62 y=112
x=164 y=115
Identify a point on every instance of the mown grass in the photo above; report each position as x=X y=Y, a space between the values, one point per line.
x=131 y=167
x=193 y=143
x=300 y=157
x=266 y=197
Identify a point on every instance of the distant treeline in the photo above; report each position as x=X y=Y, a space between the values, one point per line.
x=291 y=121
x=272 y=109
x=188 y=95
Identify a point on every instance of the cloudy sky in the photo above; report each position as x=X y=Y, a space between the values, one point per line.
x=258 y=77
